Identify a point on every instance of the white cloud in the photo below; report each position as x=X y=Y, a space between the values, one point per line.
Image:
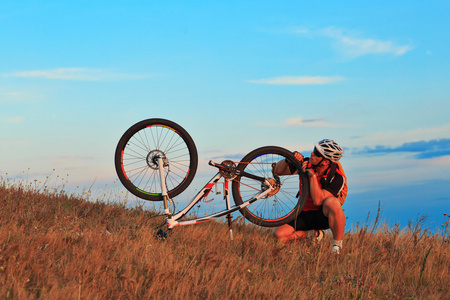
x=82 y=74
x=314 y=122
x=302 y=122
x=298 y=80
x=14 y=145
x=353 y=46
x=12 y=120
x=359 y=47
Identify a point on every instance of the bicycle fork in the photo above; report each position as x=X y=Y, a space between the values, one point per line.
x=163 y=186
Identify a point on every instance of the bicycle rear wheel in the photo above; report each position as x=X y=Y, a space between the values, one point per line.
x=278 y=207
x=136 y=157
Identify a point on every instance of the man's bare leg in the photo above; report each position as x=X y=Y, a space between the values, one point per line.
x=332 y=209
x=286 y=233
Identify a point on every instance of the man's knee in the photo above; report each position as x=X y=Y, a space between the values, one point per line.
x=283 y=231
x=331 y=204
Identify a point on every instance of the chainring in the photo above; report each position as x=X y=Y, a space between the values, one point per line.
x=229 y=170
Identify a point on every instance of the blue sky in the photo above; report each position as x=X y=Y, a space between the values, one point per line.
x=237 y=75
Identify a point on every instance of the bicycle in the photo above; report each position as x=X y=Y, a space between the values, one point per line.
x=156 y=160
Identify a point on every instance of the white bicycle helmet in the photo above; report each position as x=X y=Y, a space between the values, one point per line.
x=329 y=149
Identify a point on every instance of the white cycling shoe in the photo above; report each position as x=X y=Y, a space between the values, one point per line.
x=336 y=249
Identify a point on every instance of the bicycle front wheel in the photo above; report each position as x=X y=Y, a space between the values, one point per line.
x=137 y=154
x=280 y=206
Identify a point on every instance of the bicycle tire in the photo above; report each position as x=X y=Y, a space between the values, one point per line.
x=134 y=158
x=280 y=207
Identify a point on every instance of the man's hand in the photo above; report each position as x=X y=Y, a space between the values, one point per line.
x=298 y=156
x=307 y=168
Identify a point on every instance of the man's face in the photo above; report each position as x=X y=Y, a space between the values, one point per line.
x=316 y=157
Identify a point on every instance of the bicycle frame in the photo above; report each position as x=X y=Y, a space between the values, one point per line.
x=173 y=220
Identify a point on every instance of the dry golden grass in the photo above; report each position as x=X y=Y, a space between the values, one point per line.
x=55 y=246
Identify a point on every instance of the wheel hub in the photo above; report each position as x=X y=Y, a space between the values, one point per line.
x=152 y=159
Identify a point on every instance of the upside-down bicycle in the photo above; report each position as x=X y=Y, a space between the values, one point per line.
x=156 y=160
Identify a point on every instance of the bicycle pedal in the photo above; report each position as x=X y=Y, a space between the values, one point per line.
x=161 y=235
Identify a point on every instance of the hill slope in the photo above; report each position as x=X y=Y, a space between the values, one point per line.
x=56 y=246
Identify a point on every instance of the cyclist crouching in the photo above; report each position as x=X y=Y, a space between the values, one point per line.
x=323 y=210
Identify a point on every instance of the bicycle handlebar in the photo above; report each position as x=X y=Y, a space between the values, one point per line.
x=211 y=163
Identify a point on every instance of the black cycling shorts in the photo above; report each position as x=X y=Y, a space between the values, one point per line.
x=312 y=219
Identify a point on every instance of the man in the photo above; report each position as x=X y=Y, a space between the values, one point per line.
x=323 y=209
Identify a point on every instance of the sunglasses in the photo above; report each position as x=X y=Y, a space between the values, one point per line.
x=317 y=153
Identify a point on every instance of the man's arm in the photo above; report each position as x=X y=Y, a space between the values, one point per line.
x=318 y=195
x=282 y=167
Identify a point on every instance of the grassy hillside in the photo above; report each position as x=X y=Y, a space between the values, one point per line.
x=55 y=246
